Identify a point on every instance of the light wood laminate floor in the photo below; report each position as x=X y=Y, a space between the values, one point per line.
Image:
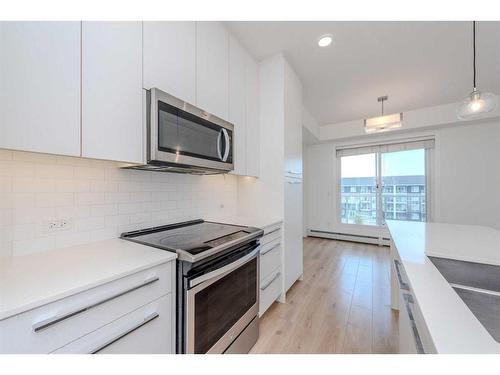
x=341 y=306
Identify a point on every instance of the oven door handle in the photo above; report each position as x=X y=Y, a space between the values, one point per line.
x=226 y=269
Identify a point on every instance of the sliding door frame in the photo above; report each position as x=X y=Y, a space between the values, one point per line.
x=380 y=213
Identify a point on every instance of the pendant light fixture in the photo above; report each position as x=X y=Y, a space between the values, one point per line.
x=383 y=123
x=477 y=103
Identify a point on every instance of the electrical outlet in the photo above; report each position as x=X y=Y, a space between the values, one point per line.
x=58 y=225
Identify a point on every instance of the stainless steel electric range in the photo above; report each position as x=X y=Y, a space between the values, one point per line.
x=217 y=283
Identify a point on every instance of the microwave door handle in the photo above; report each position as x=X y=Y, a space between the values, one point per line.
x=219 y=138
x=227 y=145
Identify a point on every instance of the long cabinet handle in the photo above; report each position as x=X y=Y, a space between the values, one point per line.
x=402 y=284
x=109 y=342
x=37 y=327
x=294 y=182
x=418 y=342
x=270 y=249
x=270 y=281
x=273 y=231
x=292 y=172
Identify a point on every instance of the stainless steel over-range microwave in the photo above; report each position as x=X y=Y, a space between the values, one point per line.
x=183 y=138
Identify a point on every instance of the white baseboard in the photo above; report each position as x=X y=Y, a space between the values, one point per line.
x=369 y=239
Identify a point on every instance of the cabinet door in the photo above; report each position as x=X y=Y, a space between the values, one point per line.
x=212 y=68
x=40 y=86
x=112 y=91
x=293 y=231
x=293 y=123
x=252 y=118
x=170 y=58
x=237 y=103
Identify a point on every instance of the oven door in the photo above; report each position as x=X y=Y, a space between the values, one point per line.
x=221 y=304
x=183 y=134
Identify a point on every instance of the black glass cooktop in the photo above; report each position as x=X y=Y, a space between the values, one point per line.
x=193 y=237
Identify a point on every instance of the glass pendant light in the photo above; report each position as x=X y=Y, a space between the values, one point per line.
x=477 y=103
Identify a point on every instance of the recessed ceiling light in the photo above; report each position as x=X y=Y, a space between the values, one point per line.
x=325 y=40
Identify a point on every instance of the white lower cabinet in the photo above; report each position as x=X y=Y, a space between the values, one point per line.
x=57 y=324
x=293 y=243
x=270 y=290
x=270 y=267
x=146 y=330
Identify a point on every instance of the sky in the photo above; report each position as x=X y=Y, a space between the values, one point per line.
x=402 y=163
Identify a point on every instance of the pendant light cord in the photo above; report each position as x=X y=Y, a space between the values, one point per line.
x=474 y=52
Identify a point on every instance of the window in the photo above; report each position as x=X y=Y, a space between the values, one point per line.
x=359 y=171
x=383 y=185
x=400 y=189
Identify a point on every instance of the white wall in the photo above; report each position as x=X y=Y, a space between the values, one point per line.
x=465 y=177
x=264 y=195
x=100 y=200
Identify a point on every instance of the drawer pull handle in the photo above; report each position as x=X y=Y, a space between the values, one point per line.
x=271 y=232
x=146 y=320
x=402 y=284
x=37 y=327
x=270 y=281
x=270 y=249
x=408 y=298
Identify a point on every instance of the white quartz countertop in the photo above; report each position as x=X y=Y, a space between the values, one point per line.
x=30 y=281
x=452 y=326
x=250 y=221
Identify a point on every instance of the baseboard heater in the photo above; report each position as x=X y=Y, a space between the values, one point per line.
x=350 y=237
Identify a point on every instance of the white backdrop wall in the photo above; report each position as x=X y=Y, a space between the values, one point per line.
x=464 y=178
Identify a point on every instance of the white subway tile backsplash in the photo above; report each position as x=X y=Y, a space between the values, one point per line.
x=5 y=184
x=103 y=186
x=33 y=185
x=6 y=217
x=89 y=198
x=99 y=199
x=89 y=173
x=54 y=199
x=92 y=223
x=5 y=155
x=104 y=210
x=54 y=171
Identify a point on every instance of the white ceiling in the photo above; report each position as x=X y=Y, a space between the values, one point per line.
x=418 y=64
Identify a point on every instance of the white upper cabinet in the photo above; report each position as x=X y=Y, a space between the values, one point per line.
x=252 y=118
x=170 y=58
x=40 y=86
x=112 y=91
x=237 y=103
x=293 y=124
x=212 y=68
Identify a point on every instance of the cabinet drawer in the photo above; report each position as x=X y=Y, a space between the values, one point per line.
x=270 y=234
x=147 y=330
x=270 y=258
x=270 y=290
x=52 y=326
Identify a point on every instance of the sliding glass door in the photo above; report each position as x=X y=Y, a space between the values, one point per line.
x=403 y=185
x=383 y=185
x=359 y=189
